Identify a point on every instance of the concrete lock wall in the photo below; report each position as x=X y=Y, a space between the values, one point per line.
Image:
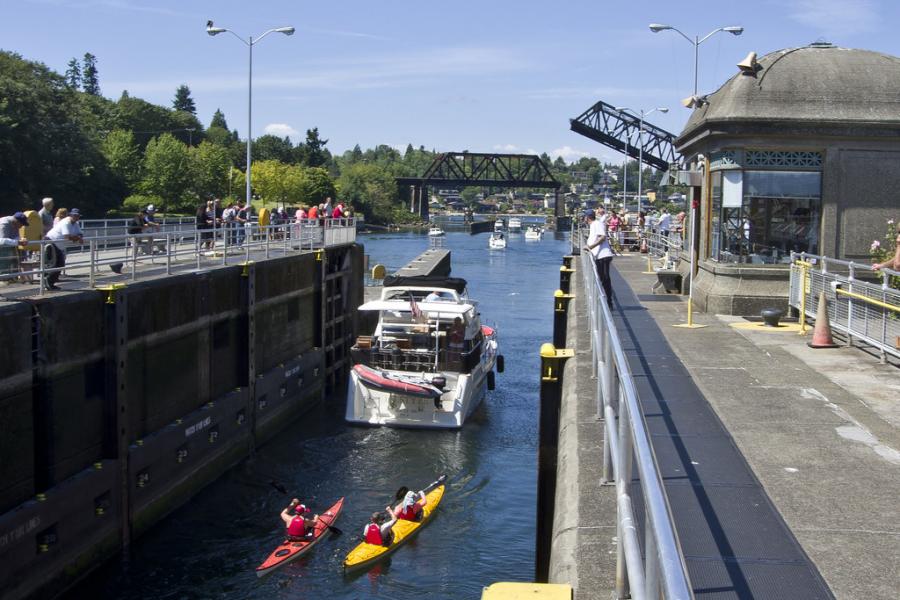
x=116 y=407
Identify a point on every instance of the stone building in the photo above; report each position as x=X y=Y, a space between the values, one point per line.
x=801 y=152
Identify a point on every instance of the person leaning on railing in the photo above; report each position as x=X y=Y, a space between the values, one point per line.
x=11 y=240
x=66 y=231
x=892 y=263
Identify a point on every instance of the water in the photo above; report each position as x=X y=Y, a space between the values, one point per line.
x=483 y=531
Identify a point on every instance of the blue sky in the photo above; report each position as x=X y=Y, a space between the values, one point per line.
x=478 y=75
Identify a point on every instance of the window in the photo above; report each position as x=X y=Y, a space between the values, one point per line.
x=760 y=217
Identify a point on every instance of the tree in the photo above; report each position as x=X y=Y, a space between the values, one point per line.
x=272 y=147
x=183 y=100
x=371 y=190
x=123 y=155
x=90 y=80
x=166 y=172
x=312 y=152
x=211 y=169
x=73 y=75
x=277 y=182
x=317 y=185
x=218 y=120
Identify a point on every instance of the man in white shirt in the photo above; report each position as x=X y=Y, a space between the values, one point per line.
x=665 y=223
x=598 y=246
x=63 y=234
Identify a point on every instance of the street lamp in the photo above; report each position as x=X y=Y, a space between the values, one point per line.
x=733 y=30
x=642 y=115
x=249 y=42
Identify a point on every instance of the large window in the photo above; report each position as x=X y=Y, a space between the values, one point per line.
x=764 y=215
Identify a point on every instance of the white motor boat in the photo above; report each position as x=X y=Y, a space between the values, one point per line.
x=498 y=225
x=515 y=224
x=435 y=231
x=429 y=361
x=534 y=233
x=497 y=240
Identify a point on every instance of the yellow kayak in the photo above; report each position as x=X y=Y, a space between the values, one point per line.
x=365 y=555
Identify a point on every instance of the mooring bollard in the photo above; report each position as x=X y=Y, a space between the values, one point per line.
x=565 y=278
x=552 y=361
x=560 y=317
x=568 y=261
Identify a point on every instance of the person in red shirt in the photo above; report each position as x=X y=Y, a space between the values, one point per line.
x=338 y=212
x=313 y=212
x=299 y=527
x=410 y=508
x=380 y=530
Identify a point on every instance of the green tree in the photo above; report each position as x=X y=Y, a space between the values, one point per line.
x=123 y=156
x=218 y=120
x=211 y=169
x=183 y=100
x=371 y=190
x=90 y=79
x=317 y=185
x=312 y=153
x=73 y=74
x=166 y=172
x=272 y=147
x=276 y=182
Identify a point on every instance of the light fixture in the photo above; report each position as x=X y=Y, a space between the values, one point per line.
x=656 y=27
x=749 y=66
x=734 y=30
x=286 y=30
x=212 y=30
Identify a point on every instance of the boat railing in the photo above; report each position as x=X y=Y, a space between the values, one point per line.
x=392 y=357
x=656 y=568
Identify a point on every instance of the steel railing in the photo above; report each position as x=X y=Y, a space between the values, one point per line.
x=864 y=310
x=148 y=253
x=661 y=572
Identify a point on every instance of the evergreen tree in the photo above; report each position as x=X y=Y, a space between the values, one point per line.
x=89 y=78
x=312 y=153
x=184 y=102
x=73 y=75
x=218 y=120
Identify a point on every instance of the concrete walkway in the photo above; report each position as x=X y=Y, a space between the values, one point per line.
x=817 y=428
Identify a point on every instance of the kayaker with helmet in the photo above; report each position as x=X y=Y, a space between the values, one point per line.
x=411 y=504
x=298 y=525
x=379 y=531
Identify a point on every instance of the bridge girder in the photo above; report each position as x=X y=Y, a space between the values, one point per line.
x=492 y=170
x=619 y=131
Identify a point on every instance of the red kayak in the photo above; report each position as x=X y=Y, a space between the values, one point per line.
x=288 y=550
x=393 y=383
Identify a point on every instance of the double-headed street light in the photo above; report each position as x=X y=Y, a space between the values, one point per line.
x=249 y=42
x=695 y=42
x=641 y=114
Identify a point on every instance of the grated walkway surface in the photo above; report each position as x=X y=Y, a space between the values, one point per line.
x=735 y=542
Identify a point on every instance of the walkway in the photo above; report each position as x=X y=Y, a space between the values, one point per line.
x=782 y=473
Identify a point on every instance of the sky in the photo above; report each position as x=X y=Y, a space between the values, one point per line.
x=476 y=75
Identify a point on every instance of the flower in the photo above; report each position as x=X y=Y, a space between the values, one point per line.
x=875 y=246
x=890 y=221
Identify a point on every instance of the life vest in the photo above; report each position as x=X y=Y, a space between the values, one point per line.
x=373 y=534
x=297 y=528
x=410 y=513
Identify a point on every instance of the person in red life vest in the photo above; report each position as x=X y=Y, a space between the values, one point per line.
x=338 y=212
x=379 y=531
x=410 y=508
x=299 y=526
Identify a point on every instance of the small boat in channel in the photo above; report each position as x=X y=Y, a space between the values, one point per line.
x=515 y=224
x=534 y=233
x=435 y=231
x=497 y=241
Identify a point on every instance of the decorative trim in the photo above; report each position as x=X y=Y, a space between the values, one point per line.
x=783 y=159
x=725 y=159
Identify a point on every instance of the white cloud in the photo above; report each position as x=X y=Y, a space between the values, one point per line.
x=568 y=154
x=836 y=17
x=506 y=148
x=281 y=130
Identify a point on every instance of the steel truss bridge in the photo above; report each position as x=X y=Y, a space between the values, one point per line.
x=619 y=130
x=461 y=169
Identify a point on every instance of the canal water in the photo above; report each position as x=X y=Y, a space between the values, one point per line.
x=483 y=531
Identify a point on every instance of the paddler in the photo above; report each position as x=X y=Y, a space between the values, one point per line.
x=411 y=505
x=379 y=530
x=299 y=527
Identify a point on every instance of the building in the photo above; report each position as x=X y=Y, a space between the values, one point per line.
x=799 y=153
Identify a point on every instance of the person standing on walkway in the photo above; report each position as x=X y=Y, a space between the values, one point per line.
x=46 y=214
x=891 y=263
x=598 y=246
x=64 y=233
x=665 y=223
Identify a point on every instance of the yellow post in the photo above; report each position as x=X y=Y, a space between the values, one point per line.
x=649 y=270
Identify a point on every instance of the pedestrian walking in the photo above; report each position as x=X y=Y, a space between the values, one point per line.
x=598 y=246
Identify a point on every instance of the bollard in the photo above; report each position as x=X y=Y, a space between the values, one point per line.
x=552 y=361
x=569 y=261
x=565 y=279
x=560 y=317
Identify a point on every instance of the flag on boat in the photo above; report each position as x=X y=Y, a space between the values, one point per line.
x=414 y=307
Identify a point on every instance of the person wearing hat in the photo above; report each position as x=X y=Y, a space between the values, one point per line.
x=598 y=246
x=46 y=214
x=379 y=531
x=65 y=233
x=411 y=506
x=299 y=526
x=9 y=229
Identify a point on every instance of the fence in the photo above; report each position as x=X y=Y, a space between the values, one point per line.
x=662 y=573
x=177 y=248
x=864 y=311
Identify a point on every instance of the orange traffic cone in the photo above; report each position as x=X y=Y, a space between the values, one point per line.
x=822 y=333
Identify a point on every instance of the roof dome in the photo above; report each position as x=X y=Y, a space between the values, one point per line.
x=819 y=83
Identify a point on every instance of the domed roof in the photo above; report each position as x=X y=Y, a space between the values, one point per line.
x=819 y=83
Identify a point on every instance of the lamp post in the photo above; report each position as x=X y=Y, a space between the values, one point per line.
x=249 y=42
x=733 y=30
x=640 y=114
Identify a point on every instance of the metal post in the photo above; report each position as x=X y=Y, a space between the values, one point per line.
x=93 y=246
x=640 y=161
x=696 y=61
x=168 y=254
x=249 y=116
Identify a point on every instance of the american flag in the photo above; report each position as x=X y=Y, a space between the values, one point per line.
x=414 y=307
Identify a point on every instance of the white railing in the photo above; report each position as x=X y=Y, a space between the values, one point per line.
x=177 y=249
x=662 y=573
x=865 y=310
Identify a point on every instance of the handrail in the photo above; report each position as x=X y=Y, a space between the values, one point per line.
x=663 y=571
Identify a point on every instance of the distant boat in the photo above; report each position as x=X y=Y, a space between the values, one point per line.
x=497 y=241
x=435 y=231
x=515 y=224
x=534 y=233
x=498 y=225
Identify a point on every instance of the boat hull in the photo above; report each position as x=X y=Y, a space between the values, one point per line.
x=289 y=551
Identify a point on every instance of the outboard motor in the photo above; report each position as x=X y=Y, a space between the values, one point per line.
x=439 y=382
